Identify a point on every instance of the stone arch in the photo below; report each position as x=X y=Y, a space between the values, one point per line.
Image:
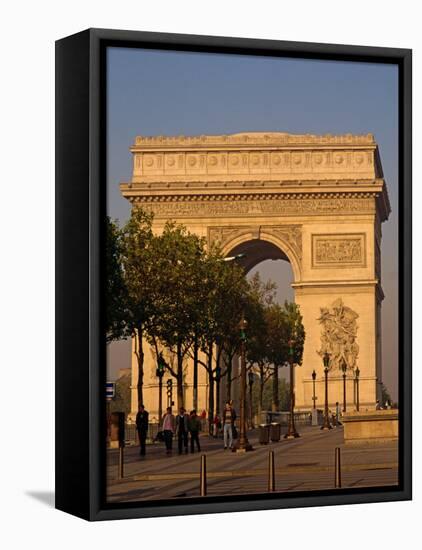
x=315 y=201
x=287 y=250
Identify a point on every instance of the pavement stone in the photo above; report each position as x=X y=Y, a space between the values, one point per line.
x=303 y=464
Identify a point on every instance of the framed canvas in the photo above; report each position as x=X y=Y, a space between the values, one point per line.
x=233 y=274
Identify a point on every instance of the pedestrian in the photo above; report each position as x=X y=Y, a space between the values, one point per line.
x=229 y=416
x=338 y=423
x=168 y=430
x=182 y=430
x=142 y=428
x=217 y=425
x=194 y=426
x=377 y=405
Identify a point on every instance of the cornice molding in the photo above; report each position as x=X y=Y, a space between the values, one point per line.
x=253 y=138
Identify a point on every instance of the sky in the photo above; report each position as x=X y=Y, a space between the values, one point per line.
x=152 y=92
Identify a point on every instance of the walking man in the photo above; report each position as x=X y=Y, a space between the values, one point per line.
x=168 y=430
x=142 y=428
x=182 y=430
x=229 y=416
x=194 y=426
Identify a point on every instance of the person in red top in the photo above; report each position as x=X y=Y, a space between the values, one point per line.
x=217 y=425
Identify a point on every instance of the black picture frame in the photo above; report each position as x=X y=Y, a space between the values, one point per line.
x=80 y=213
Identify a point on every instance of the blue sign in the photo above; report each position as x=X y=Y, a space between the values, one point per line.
x=110 y=390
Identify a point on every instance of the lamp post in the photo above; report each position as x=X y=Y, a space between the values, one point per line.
x=313 y=389
x=160 y=373
x=169 y=392
x=326 y=361
x=291 y=432
x=357 y=373
x=250 y=380
x=344 y=369
x=242 y=444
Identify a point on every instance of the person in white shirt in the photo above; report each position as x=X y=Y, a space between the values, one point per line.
x=168 y=430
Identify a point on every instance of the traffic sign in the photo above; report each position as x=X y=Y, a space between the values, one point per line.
x=110 y=390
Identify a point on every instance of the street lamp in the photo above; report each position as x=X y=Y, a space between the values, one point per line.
x=242 y=444
x=326 y=361
x=344 y=369
x=357 y=373
x=160 y=373
x=250 y=380
x=234 y=258
x=291 y=432
x=313 y=389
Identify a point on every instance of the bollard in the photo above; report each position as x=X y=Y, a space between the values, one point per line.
x=203 y=477
x=121 y=462
x=337 y=469
x=271 y=472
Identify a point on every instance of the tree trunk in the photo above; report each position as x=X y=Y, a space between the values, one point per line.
x=211 y=390
x=140 y=357
x=261 y=390
x=195 y=373
x=180 y=397
x=276 y=400
x=229 y=378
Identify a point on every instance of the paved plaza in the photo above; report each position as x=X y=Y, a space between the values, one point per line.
x=303 y=464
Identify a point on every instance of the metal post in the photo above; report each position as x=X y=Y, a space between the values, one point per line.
x=271 y=472
x=291 y=432
x=327 y=424
x=121 y=471
x=242 y=444
x=313 y=389
x=337 y=469
x=344 y=392
x=357 y=389
x=203 y=477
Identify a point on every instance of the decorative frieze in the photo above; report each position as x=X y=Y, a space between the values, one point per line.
x=339 y=250
x=228 y=206
x=271 y=163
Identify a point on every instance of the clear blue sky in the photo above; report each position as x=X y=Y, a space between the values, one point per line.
x=172 y=93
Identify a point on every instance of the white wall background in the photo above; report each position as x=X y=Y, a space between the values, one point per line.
x=28 y=32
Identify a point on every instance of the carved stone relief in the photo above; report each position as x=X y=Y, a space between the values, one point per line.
x=292 y=234
x=338 y=335
x=339 y=250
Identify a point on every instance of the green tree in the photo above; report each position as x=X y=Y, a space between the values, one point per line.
x=116 y=296
x=277 y=335
x=140 y=276
x=222 y=304
x=179 y=260
x=260 y=297
x=267 y=397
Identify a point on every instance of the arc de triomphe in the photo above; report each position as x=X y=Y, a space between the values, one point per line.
x=315 y=201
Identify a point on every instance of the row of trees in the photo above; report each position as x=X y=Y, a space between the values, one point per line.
x=184 y=300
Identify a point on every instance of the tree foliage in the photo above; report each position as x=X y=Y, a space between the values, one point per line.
x=115 y=285
x=173 y=291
